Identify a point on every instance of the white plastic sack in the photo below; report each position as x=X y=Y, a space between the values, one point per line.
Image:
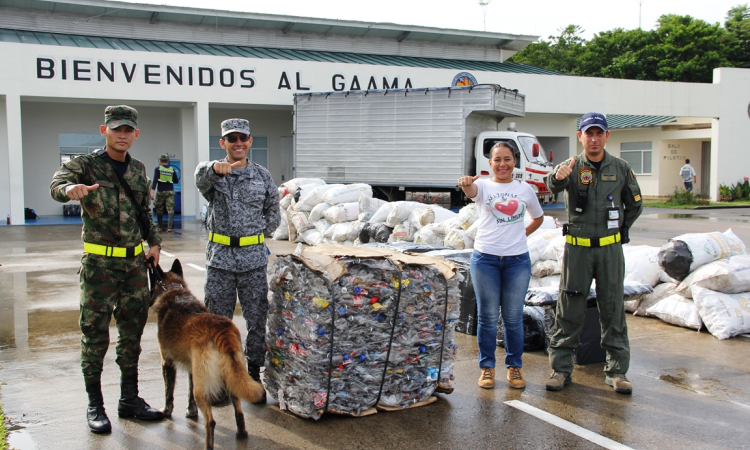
x=401 y=211
x=555 y=249
x=660 y=291
x=347 y=193
x=442 y=214
x=343 y=212
x=548 y=223
x=321 y=225
x=291 y=229
x=354 y=230
x=725 y=315
x=421 y=217
x=457 y=238
x=403 y=232
x=471 y=233
x=368 y=206
x=538 y=242
x=468 y=215
x=729 y=276
x=677 y=310
x=341 y=231
x=684 y=254
x=313 y=196
x=282 y=231
x=642 y=264
x=382 y=213
x=286 y=201
x=545 y=268
x=425 y=235
x=318 y=210
x=311 y=237
x=300 y=220
x=294 y=183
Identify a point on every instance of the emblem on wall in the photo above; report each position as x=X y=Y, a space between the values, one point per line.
x=464 y=79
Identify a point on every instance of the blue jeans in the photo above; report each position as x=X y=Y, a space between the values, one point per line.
x=688 y=185
x=500 y=284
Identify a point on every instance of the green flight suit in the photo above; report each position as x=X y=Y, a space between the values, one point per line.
x=110 y=285
x=605 y=264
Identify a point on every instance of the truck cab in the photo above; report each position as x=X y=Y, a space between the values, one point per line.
x=532 y=164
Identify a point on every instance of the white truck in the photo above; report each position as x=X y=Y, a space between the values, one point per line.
x=412 y=144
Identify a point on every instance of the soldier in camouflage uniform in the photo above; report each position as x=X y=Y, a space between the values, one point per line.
x=243 y=208
x=113 y=273
x=165 y=177
x=603 y=199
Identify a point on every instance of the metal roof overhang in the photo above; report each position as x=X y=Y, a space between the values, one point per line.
x=243 y=20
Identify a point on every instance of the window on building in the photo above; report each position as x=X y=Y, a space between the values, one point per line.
x=638 y=155
x=71 y=145
x=258 y=152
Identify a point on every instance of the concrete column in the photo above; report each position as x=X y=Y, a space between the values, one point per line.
x=730 y=133
x=14 y=159
x=195 y=134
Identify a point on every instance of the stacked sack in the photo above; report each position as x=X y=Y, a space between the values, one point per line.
x=708 y=283
x=353 y=329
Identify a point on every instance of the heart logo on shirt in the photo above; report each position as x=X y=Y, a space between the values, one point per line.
x=508 y=208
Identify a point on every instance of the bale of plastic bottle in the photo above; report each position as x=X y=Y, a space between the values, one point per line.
x=354 y=329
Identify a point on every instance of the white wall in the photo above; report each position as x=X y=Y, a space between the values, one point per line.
x=4 y=172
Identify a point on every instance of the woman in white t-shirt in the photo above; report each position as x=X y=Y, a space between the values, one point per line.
x=500 y=265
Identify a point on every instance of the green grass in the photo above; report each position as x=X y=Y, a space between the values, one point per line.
x=3 y=430
x=660 y=203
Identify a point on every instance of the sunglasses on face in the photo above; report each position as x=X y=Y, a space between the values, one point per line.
x=232 y=138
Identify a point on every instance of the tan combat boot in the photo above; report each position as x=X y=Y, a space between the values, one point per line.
x=487 y=379
x=557 y=381
x=620 y=383
x=515 y=378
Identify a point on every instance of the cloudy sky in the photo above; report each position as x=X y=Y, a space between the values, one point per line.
x=530 y=17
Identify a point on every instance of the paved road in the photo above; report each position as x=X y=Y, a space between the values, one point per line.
x=691 y=390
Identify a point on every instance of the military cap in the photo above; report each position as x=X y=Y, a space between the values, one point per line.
x=235 y=126
x=117 y=116
x=164 y=157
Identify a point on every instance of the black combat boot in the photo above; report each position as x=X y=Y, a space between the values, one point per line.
x=170 y=222
x=160 y=222
x=95 y=414
x=133 y=406
x=254 y=371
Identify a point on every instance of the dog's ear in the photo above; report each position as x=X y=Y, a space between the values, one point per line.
x=177 y=268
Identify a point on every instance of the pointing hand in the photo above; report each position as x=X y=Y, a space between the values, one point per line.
x=78 y=191
x=564 y=171
x=224 y=168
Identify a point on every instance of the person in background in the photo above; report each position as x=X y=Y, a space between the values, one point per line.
x=688 y=175
x=113 y=271
x=603 y=199
x=165 y=177
x=500 y=265
x=243 y=208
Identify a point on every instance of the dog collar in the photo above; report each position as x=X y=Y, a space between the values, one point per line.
x=171 y=286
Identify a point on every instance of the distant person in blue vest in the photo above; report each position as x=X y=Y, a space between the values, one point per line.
x=165 y=177
x=688 y=175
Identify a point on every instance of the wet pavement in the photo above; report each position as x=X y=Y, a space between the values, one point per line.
x=690 y=389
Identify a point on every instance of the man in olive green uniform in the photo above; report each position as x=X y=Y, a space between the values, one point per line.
x=165 y=178
x=113 y=273
x=603 y=199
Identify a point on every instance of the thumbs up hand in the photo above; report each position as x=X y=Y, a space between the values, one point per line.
x=564 y=171
x=225 y=168
x=78 y=191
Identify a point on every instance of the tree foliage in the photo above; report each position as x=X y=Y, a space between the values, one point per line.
x=681 y=48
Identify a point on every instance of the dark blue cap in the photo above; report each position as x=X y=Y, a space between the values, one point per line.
x=593 y=119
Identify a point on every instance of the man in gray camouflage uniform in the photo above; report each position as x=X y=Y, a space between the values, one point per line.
x=243 y=208
x=113 y=273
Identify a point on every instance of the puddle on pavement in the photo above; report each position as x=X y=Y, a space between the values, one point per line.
x=20 y=439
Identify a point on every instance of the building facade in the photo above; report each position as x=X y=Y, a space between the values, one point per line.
x=186 y=70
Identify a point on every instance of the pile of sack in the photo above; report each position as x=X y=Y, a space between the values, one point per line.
x=317 y=213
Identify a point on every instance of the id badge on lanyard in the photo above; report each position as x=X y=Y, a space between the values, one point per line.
x=613 y=214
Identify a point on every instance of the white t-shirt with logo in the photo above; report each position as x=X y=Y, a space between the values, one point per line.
x=502 y=206
x=687 y=172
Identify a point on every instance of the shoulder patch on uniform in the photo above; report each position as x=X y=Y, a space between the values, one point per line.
x=637 y=197
x=63 y=171
x=632 y=173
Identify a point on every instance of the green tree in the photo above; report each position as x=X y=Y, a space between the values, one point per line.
x=738 y=26
x=621 y=54
x=561 y=53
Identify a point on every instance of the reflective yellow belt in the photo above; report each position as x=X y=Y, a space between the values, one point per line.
x=236 y=241
x=593 y=242
x=118 y=252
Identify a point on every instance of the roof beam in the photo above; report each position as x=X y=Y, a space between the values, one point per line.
x=288 y=28
x=153 y=17
x=403 y=36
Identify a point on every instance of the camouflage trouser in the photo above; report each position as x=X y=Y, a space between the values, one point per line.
x=104 y=292
x=164 y=202
x=222 y=290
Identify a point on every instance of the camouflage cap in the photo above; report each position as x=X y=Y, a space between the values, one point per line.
x=165 y=157
x=117 y=116
x=235 y=126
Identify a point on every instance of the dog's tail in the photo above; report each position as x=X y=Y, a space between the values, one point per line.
x=234 y=370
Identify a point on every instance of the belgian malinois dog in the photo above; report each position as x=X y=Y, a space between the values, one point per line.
x=207 y=346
